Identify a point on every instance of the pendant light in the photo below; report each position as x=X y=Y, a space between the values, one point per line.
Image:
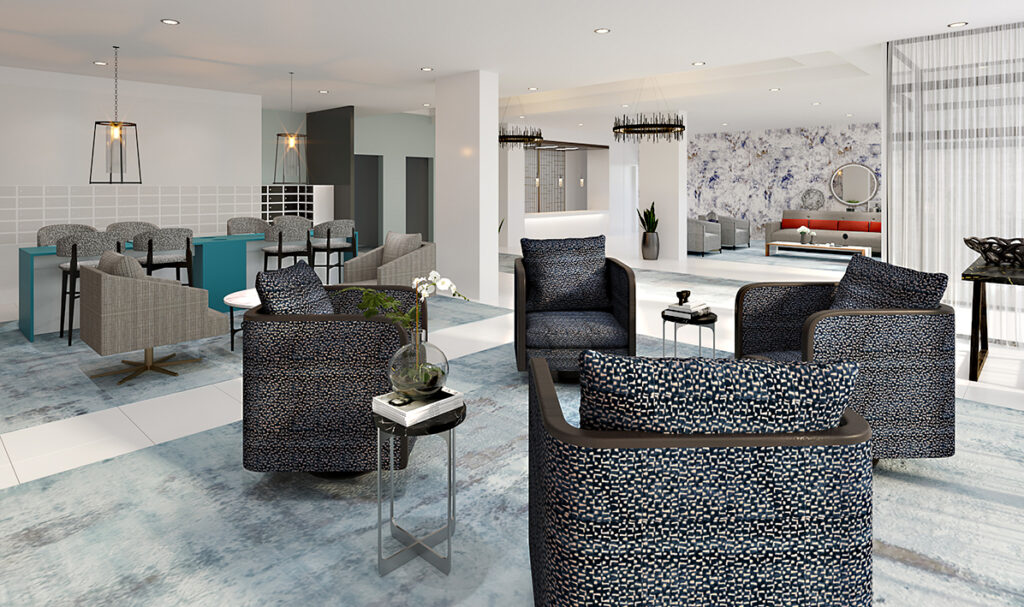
x=514 y=135
x=115 y=147
x=649 y=126
x=290 y=149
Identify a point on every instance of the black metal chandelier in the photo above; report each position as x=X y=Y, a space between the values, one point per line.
x=116 y=144
x=513 y=136
x=649 y=127
x=290 y=148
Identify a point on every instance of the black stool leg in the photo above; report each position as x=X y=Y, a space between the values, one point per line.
x=177 y=273
x=266 y=259
x=71 y=304
x=63 y=299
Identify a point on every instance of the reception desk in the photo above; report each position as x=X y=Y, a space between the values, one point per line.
x=221 y=265
x=566 y=224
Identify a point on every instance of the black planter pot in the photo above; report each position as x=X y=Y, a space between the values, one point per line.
x=650 y=245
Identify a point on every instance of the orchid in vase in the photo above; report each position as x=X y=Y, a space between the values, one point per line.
x=419 y=369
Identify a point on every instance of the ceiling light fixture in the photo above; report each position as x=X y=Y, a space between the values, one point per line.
x=698 y=63
x=290 y=150
x=170 y=22
x=323 y=91
x=625 y=105
x=115 y=147
x=650 y=126
x=515 y=135
x=602 y=30
x=580 y=124
x=426 y=68
x=426 y=105
x=99 y=63
x=816 y=103
x=956 y=24
x=774 y=89
x=522 y=117
x=725 y=124
x=532 y=88
x=849 y=115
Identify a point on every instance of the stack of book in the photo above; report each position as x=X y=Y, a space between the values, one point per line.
x=688 y=310
x=409 y=412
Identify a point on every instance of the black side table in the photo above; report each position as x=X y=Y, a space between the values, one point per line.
x=981 y=273
x=444 y=425
x=707 y=320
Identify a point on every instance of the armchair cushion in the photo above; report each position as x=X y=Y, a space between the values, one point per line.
x=876 y=285
x=397 y=245
x=293 y=290
x=574 y=329
x=711 y=396
x=565 y=274
x=120 y=265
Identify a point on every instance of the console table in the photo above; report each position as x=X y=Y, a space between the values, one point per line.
x=980 y=273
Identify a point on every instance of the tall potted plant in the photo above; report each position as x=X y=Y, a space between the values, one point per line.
x=649 y=245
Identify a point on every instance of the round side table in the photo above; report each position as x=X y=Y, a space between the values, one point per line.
x=707 y=320
x=444 y=425
x=243 y=300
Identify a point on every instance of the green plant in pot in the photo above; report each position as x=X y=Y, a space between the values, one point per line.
x=418 y=369
x=649 y=245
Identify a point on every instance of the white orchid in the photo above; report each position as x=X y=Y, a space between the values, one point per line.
x=434 y=276
x=803 y=229
x=443 y=284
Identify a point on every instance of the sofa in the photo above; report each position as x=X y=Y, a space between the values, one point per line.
x=735 y=231
x=858 y=228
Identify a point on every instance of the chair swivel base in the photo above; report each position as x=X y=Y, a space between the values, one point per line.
x=137 y=368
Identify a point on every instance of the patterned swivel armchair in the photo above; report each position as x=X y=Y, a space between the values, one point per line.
x=308 y=381
x=906 y=389
x=651 y=518
x=569 y=298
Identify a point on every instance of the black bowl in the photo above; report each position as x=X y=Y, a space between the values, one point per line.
x=999 y=251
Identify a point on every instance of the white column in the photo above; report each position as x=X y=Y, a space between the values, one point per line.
x=663 y=180
x=466 y=183
x=512 y=197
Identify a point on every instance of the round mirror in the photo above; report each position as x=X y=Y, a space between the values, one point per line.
x=854 y=184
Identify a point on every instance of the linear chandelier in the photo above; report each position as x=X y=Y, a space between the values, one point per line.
x=514 y=135
x=116 y=143
x=649 y=126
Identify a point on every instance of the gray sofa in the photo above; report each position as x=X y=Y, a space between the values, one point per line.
x=735 y=231
x=773 y=231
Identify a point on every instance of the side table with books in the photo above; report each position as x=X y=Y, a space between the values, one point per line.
x=396 y=416
x=689 y=313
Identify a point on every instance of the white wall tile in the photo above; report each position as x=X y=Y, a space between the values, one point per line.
x=30 y=190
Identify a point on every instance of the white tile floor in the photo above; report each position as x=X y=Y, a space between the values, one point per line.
x=55 y=447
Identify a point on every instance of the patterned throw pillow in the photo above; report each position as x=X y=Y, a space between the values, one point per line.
x=566 y=274
x=120 y=265
x=293 y=290
x=711 y=395
x=876 y=285
x=397 y=245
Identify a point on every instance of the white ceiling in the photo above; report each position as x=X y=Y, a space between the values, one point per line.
x=368 y=52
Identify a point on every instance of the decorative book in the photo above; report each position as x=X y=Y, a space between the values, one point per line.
x=408 y=412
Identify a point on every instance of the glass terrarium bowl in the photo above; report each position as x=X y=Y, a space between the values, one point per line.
x=418 y=372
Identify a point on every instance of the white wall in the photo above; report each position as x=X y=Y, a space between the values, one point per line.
x=598 y=172
x=274 y=122
x=575 y=169
x=394 y=136
x=511 y=197
x=663 y=181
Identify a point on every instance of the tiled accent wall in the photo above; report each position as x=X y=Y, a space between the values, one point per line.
x=552 y=166
x=287 y=200
x=205 y=209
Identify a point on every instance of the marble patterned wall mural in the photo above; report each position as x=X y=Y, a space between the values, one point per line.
x=758 y=174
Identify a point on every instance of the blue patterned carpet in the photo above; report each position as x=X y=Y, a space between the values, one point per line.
x=184 y=523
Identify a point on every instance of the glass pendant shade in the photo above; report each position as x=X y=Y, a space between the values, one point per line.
x=115 y=153
x=290 y=158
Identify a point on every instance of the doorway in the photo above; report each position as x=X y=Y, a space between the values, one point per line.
x=419 y=196
x=369 y=195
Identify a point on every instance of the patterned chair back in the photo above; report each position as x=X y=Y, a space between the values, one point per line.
x=247 y=225
x=292 y=228
x=163 y=239
x=339 y=228
x=47 y=236
x=89 y=244
x=126 y=230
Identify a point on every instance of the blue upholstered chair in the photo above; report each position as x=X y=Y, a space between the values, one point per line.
x=906 y=388
x=569 y=298
x=651 y=518
x=308 y=381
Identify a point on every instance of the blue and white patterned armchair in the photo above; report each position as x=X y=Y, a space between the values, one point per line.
x=646 y=518
x=308 y=381
x=906 y=388
x=569 y=298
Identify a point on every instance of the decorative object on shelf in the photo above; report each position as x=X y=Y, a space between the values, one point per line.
x=290 y=148
x=853 y=184
x=514 y=135
x=999 y=251
x=712 y=217
x=683 y=296
x=419 y=369
x=804 y=234
x=649 y=245
x=117 y=143
x=812 y=199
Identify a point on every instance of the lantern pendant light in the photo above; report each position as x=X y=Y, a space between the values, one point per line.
x=115 y=147
x=290 y=149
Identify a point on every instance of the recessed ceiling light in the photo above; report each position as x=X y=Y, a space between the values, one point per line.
x=725 y=124
x=426 y=68
x=849 y=115
x=323 y=91
x=532 y=88
x=698 y=63
x=426 y=105
x=602 y=30
x=101 y=63
x=170 y=22
x=625 y=105
x=957 y=24
x=522 y=117
x=580 y=124
x=816 y=103
x=774 y=89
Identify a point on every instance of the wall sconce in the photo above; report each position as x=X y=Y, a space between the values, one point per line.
x=561 y=182
x=582 y=183
x=536 y=182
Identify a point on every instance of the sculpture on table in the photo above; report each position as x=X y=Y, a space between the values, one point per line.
x=683 y=296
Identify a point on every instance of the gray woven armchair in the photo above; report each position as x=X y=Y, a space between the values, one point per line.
x=369 y=267
x=703 y=236
x=906 y=388
x=735 y=231
x=308 y=382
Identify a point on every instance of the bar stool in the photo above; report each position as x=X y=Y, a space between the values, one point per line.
x=165 y=248
x=332 y=237
x=47 y=236
x=291 y=233
x=247 y=225
x=84 y=249
x=126 y=231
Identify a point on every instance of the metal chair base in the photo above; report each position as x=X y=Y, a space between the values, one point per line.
x=136 y=368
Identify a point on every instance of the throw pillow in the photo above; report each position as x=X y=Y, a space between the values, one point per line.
x=120 y=265
x=397 y=245
x=876 y=285
x=565 y=274
x=293 y=290
x=711 y=395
